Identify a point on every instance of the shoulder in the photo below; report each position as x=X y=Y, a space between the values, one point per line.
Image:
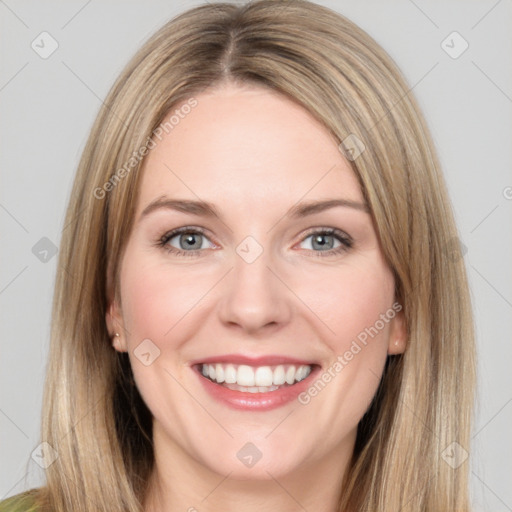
x=23 y=502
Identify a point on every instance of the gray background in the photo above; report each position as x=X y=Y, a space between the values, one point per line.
x=48 y=106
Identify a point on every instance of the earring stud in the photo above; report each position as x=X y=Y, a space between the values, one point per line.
x=116 y=339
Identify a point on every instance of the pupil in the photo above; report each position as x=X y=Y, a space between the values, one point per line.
x=190 y=242
x=322 y=243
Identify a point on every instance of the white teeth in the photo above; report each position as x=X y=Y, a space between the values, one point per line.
x=290 y=375
x=301 y=373
x=253 y=389
x=230 y=374
x=255 y=379
x=263 y=376
x=245 y=376
x=219 y=373
x=279 y=375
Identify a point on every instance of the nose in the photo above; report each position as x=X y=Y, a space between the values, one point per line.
x=254 y=299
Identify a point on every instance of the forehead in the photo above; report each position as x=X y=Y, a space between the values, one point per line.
x=250 y=146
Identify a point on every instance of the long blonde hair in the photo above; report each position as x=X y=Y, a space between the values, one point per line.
x=93 y=415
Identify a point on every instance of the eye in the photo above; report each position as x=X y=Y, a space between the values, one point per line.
x=186 y=241
x=190 y=241
x=327 y=241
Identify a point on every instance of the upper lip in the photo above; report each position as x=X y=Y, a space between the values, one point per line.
x=270 y=360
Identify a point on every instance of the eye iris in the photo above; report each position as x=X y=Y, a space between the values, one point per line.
x=190 y=241
x=322 y=243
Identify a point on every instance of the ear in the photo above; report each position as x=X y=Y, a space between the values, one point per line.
x=113 y=315
x=115 y=326
x=397 y=334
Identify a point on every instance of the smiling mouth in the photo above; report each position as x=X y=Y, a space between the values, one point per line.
x=255 y=379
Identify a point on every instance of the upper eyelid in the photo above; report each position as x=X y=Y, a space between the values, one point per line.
x=336 y=232
x=168 y=235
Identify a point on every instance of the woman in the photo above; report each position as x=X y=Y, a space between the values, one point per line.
x=259 y=304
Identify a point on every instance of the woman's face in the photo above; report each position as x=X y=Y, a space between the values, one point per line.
x=253 y=251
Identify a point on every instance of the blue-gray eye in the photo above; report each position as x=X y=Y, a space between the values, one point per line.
x=189 y=241
x=322 y=242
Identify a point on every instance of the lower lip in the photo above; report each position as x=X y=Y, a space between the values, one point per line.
x=256 y=401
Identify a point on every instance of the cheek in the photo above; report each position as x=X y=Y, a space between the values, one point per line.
x=156 y=301
x=156 y=298
x=350 y=300
x=353 y=301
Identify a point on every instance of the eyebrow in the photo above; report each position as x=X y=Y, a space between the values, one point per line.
x=309 y=208
x=206 y=209
x=201 y=208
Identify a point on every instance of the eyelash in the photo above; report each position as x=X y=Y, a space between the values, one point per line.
x=162 y=242
x=343 y=238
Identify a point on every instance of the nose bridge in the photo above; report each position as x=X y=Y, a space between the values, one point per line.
x=252 y=277
x=253 y=297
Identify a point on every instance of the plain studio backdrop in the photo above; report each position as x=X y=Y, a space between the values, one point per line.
x=60 y=59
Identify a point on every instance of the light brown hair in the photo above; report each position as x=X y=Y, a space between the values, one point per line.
x=93 y=415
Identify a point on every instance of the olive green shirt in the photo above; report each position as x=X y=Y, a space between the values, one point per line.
x=23 y=502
